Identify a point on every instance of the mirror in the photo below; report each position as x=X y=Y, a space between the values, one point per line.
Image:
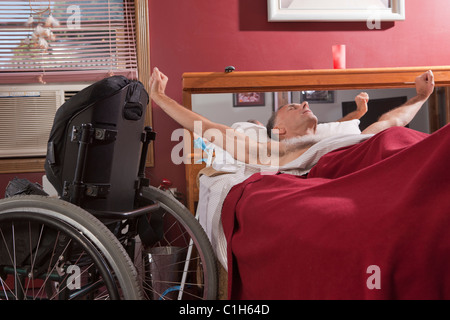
x=211 y=94
x=338 y=80
x=327 y=105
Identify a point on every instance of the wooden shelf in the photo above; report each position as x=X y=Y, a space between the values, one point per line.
x=327 y=79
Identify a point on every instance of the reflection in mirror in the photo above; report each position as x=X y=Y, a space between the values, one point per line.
x=328 y=106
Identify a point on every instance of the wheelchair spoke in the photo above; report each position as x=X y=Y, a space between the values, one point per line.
x=39 y=266
x=183 y=277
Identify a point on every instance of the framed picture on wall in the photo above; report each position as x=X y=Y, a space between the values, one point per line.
x=249 y=99
x=317 y=96
x=336 y=10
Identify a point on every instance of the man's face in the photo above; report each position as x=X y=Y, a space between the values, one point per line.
x=295 y=120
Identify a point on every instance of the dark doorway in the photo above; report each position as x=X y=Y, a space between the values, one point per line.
x=377 y=107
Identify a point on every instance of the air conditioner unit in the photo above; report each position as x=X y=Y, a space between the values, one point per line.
x=26 y=117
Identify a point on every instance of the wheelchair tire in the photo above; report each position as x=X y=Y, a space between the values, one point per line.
x=91 y=235
x=197 y=236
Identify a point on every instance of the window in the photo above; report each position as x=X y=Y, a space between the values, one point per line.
x=94 y=39
x=58 y=41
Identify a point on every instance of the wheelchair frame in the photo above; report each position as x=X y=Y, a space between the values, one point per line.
x=108 y=238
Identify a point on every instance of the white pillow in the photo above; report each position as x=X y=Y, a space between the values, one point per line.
x=255 y=131
x=326 y=129
x=225 y=162
x=338 y=128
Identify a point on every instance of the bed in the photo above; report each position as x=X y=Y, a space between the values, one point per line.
x=328 y=235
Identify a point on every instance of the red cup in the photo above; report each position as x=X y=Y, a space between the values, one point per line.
x=338 y=56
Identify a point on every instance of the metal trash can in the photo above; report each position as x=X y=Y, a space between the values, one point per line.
x=165 y=266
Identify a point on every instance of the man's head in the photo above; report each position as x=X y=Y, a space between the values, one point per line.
x=292 y=120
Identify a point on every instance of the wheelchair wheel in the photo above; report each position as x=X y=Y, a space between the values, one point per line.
x=51 y=249
x=181 y=263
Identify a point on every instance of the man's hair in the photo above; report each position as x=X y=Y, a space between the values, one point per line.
x=271 y=124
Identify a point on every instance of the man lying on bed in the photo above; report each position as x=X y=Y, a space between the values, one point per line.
x=294 y=124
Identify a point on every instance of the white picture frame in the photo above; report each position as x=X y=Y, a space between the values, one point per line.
x=336 y=10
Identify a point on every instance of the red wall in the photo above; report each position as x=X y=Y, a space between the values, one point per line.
x=208 y=35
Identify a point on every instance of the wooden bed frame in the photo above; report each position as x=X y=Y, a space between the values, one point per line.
x=297 y=80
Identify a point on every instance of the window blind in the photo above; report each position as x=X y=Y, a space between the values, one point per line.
x=84 y=40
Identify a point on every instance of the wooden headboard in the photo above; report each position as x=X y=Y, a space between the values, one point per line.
x=298 y=80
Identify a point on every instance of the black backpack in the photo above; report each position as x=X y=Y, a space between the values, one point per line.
x=114 y=108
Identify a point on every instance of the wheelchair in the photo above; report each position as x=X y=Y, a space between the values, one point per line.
x=107 y=234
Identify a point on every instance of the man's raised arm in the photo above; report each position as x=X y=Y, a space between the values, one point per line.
x=403 y=115
x=240 y=146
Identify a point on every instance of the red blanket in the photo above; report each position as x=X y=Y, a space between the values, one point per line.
x=371 y=221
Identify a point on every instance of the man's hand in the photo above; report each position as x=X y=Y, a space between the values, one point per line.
x=361 y=103
x=425 y=84
x=157 y=83
x=361 y=108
